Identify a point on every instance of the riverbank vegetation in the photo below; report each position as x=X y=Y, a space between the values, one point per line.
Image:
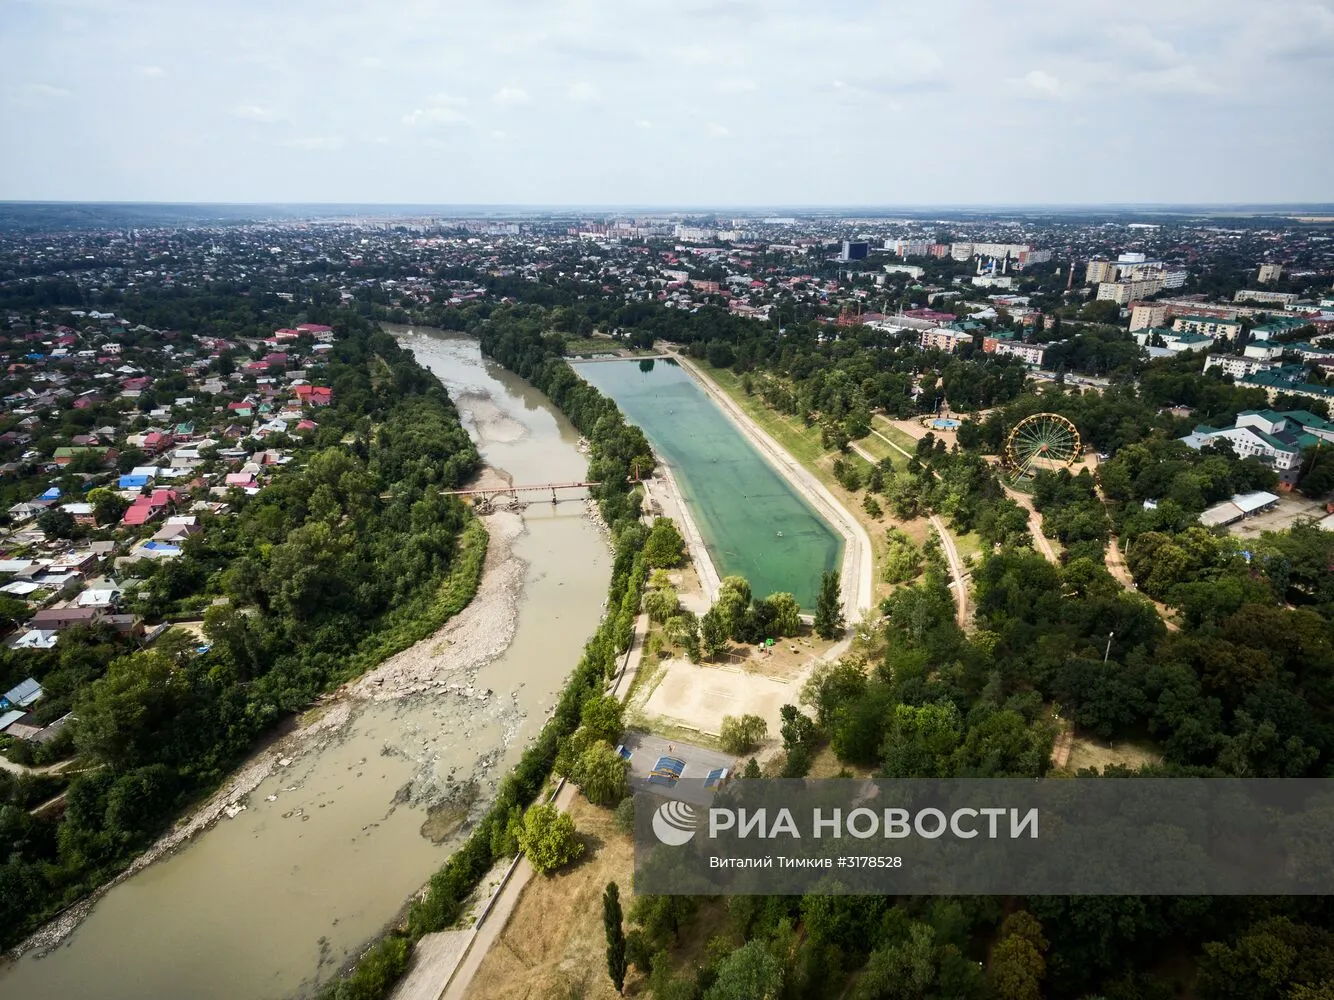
x=297 y=601
x=617 y=452
x=1240 y=685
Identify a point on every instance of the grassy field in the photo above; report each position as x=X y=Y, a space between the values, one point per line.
x=905 y=441
x=879 y=448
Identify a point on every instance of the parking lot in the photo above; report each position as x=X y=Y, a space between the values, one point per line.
x=1290 y=508
x=646 y=750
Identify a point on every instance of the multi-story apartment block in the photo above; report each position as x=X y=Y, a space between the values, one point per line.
x=1210 y=326
x=1147 y=314
x=943 y=339
x=1124 y=292
x=1030 y=353
x=1238 y=366
x=1258 y=295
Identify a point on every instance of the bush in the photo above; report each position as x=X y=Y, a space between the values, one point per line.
x=744 y=734
x=549 y=838
x=624 y=814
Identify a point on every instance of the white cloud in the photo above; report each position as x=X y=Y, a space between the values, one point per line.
x=436 y=116
x=1183 y=79
x=255 y=113
x=314 y=142
x=152 y=71
x=717 y=131
x=583 y=92
x=370 y=62
x=1040 y=83
x=509 y=97
x=643 y=123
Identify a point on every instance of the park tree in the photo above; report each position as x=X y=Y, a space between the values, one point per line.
x=549 y=838
x=600 y=774
x=713 y=633
x=1317 y=477
x=681 y=627
x=665 y=546
x=661 y=603
x=749 y=973
x=603 y=716
x=733 y=604
x=786 y=614
x=742 y=734
x=903 y=559
x=829 y=607
x=752 y=769
x=611 y=924
x=1017 y=964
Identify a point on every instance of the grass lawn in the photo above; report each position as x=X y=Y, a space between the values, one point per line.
x=904 y=440
x=879 y=448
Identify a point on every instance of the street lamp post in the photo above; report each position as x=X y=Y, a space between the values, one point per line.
x=1108 y=651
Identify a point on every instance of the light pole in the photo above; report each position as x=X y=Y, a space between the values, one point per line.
x=1108 y=651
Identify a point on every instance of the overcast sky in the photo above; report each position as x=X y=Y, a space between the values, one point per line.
x=688 y=102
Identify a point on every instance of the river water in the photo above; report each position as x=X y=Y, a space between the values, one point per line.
x=753 y=522
x=266 y=904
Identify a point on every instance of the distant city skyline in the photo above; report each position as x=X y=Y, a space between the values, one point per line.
x=740 y=103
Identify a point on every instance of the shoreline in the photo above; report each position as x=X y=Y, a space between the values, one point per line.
x=855 y=574
x=464 y=644
x=673 y=505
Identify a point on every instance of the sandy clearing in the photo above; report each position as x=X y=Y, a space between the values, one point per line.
x=699 y=696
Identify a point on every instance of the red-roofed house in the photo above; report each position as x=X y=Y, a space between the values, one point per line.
x=144 y=509
x=157 y=441
x=314 y=395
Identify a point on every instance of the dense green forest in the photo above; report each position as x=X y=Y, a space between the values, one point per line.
x=299 y=602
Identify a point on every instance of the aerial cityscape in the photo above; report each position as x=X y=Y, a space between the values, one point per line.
x=438 y=499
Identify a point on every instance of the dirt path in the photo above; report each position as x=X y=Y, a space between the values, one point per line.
x=958 y=584
x=1040 y=541
x=858 y=556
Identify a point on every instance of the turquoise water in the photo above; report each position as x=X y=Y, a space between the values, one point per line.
x=753 y=523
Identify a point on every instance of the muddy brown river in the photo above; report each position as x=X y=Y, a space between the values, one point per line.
x=269 y=903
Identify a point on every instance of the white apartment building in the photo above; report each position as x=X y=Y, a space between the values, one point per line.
x=1269 y=272
x=1030 y=353
x=1210 y=326
x=1256 y=295
x=912 y=270
x=1125 y=292
x=1237 y=365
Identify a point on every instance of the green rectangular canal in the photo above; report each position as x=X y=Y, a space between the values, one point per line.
x=753 y=522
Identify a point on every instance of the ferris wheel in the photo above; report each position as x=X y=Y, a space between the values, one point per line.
x=1042 y=441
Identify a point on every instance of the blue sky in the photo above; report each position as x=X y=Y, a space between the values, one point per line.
x=732 y=102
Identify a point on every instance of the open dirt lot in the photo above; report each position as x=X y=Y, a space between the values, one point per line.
x=1099 y=754
x=1290 y=508
x=699 y=696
